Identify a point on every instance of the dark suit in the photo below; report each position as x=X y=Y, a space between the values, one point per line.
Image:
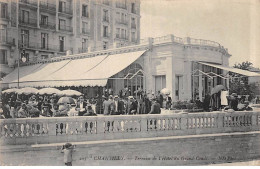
x=120 y=107
x=78 y=107
x=131 y=108
x=155 y=108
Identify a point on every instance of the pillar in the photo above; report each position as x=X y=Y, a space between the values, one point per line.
x=200 y=83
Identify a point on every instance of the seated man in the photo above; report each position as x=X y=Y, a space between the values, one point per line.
x=89 y=111
x=246 y=107
x=45 y=112
x=23 y=112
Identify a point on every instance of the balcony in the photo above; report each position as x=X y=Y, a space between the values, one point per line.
x=82 y=50
x=28 y=22
x=120 y=5
x=105 y=19
x=32 y=3
x=48 y=25
x=67 y=11
x=47 y=6
x=133 y=10
x=118 y=37
x=122 y=22
x=42 y=47
x=133 y=26
x=5 y=40
x=85 y=31
x=65 y=28
x=106 y=35
x=4 y=16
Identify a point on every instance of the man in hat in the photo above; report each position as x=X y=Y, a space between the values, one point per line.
x=234 y=101
x=81 y=105
x=119 y=105
x=89 y=111
x=131 y=106
x=67 y=149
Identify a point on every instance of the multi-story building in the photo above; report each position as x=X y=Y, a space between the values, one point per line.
x=49 y=28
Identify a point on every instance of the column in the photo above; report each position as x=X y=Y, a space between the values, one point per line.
x=57 y=16
x=200 y=83
x=38 y=14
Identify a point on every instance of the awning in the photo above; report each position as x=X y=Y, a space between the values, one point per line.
x=231 y=69
x=94 y=71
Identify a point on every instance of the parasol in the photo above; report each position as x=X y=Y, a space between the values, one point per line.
x=217 y=88
x=28 y=90
x=67 y=100
x=12 y=90
x=49 y=91
x=70 y=93
x=165 y=91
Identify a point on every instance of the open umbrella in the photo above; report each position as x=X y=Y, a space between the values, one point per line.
x=49 y=91
x=70 y=93
x=67 y=100
x=28 y=90
x=165 y=91
x=217 y=88
x=12 y=90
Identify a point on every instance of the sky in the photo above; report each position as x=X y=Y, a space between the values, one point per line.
x=235 y=24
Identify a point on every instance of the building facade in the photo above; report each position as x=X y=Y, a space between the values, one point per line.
x=42 y=29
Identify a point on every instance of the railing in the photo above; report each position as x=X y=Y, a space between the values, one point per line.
x=65 y=10
x=48 y=25
x=133 y=25
x=30 y=22
x=121 y=5
x=85 y=31
x=82 y=50
x=39 y=46
x=7 y=40
x=202 y=42
x=65 y=28
x=29 y=2
x=63 y=129
x=105 y=19
x=47 y=6
x=122 y=22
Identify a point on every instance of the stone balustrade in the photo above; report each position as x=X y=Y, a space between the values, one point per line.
x=72 y=129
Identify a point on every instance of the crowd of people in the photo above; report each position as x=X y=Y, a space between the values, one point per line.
x=34 y=105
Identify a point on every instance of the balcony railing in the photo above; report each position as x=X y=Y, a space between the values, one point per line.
x=48 y=25
x=29 y=2
x=29 y=22
x=7 y=40
x=40 y=46
x=105 y=19
x=121 y=37
x=48 y=6
x=4 y=16
x=133 y=25
x=85 y=31
x=65 y=28
x=82 y=50
x=122 y=22
x=65 y=10
x=121 y=5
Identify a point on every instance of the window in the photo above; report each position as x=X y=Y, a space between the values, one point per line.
x=62 y=43
x=160 y=82
x=44 y=20
x=117 y=16
x=62 y=24
x=133 y=25
x=105 y=16
x=106 y=2
x=62 y=6
x=3 y=10
x=84 y=45
x=25 y=38
x=117 y=32
x=3 y=56
x=44 y=40
x=84 y=27
x=105 y=45
x=133 y=39
x=178 y=86
x=27 y=57
x=105 y=31
x=133 y=8
x=85 y=10
x=25 y=16
x=3 y=33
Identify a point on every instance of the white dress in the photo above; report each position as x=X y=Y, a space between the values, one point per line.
x=223 y=97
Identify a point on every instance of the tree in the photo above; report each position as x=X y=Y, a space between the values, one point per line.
x=239 y=83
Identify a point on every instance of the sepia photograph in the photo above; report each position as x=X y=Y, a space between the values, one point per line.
x=130 y=83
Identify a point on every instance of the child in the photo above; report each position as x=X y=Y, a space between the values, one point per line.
x=67 y=149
